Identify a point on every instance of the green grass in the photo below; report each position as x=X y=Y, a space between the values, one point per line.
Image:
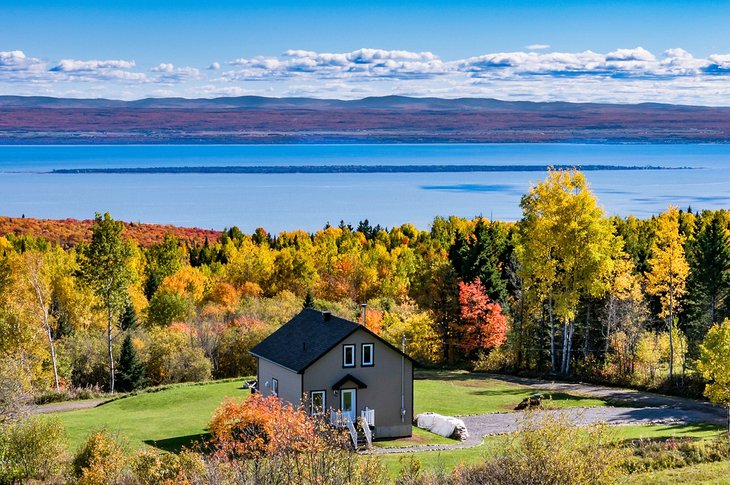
x=458 y=393
x=660 y=431
x=432 y=460
x=177 y=416
x=704 y=473
x=168 y=419
x=420 y=437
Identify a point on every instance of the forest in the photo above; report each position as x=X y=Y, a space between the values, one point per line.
x=566 y=290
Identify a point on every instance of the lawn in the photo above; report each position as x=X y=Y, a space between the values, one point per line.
x=432 y=460
x=178 y=416
x=167 y=419
x=420 y=437
x=704 y=473
x=458 y=393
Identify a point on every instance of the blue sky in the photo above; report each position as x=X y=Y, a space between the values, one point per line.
x=574 y=50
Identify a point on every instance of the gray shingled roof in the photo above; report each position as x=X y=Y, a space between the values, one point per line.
x=304 y=339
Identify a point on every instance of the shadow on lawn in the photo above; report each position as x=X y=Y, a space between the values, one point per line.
x=177 y=443
x=680 y=431
x=504 y=392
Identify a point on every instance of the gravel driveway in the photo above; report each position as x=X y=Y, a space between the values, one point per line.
x=647 y=408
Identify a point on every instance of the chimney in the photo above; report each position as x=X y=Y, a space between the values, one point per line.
x=364 y=310
x=326 y=315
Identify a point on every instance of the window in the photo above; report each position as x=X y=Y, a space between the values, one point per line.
x=367 y=355
x=318 y=402
x=275 y=386
x=348 y=355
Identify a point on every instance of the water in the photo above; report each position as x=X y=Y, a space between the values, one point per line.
x=308 y=201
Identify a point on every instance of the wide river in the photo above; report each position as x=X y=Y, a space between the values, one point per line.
x=308 y=201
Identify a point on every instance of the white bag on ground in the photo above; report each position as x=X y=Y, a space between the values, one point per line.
x=447 y=426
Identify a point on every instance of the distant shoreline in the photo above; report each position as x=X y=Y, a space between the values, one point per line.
x=330 y=169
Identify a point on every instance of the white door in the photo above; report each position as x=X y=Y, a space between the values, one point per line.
x=348 y=403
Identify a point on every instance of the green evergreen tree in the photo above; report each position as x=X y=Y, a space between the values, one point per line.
x=490 y=256
x=131 y=370
x=308 y=300
x=709 y=280
x=129 y=317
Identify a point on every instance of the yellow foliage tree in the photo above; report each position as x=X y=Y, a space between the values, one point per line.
x=563 y=248
x=669 y=270
x=714 y=364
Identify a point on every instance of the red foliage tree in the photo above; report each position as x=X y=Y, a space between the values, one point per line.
x=484 y=326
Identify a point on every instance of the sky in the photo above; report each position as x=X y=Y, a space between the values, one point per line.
x=598 y=51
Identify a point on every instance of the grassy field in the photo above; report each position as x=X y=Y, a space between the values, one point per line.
x=166 y=419
x=702 y=474
x=420 y=437
x=458 y=393
x=432 y=460
x=179 y=415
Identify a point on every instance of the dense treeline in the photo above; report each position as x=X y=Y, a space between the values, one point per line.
x=565 y=290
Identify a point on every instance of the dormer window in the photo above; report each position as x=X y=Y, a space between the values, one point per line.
x=348 y=355
x=367 y=355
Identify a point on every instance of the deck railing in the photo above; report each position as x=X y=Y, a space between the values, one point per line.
x=369 y=416
x=353 y=431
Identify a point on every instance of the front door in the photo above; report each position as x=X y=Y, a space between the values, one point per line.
x=348 y=404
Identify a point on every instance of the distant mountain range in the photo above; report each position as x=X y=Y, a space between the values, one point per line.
x=388 y=119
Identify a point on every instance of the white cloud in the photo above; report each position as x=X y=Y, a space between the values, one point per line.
x=637 y=54
x=171 y=74
x=71 y=65
x=620 y=75
x=366 y=63
x=18 y=61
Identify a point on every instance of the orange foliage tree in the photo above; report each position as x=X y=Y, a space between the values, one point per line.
x=484 y=326
x=267 y=426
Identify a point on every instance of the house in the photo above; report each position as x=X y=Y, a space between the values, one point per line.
x=338 y=368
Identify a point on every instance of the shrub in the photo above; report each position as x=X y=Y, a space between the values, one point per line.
x=153 y=467
x=267 y=426
x=497 y=360
x=15 y=387
x=675 y=453
x=87 y=360
x=235 y=342
x=173 y=358
x=68 y=394
x=33 y=448
x=100 y=460
x=547 y=449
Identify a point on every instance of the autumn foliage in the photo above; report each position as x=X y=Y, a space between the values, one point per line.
x=71 y=232
x=267 y=426
x=484 y=324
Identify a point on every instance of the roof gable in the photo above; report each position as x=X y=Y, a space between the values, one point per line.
x=305 y=338
x=349 y=378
